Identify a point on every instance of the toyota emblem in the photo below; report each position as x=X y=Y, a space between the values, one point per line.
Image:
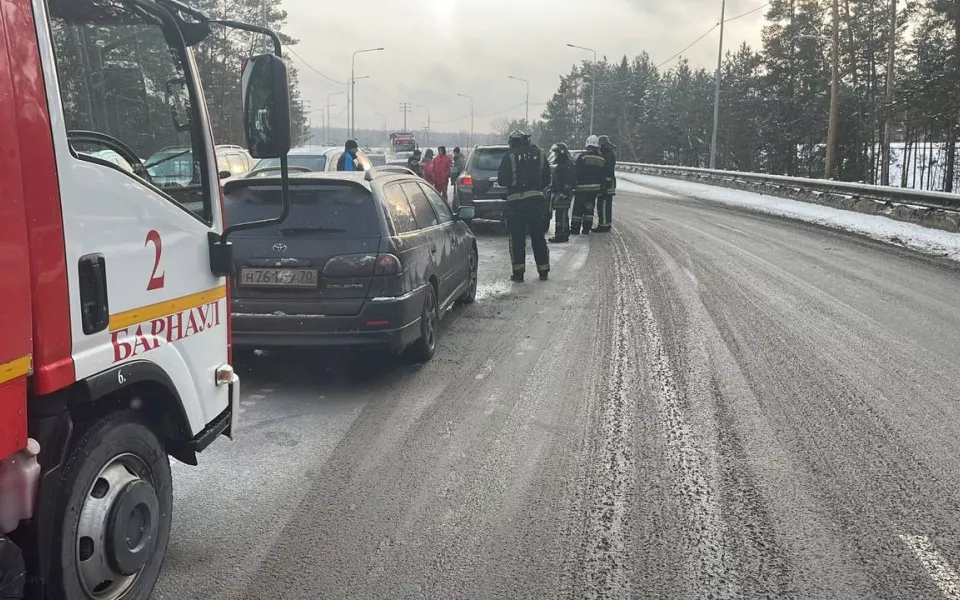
x=279 y=247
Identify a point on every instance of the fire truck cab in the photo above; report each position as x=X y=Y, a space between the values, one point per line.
x=114 y=308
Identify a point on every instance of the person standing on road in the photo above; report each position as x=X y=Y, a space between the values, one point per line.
x=562 y=181
x=589 y=180
x=525 y=172
x=427 y=166
x=459 y=164
x=348 y=160
x=441 y=171
x=609 y=186
x=413 y=163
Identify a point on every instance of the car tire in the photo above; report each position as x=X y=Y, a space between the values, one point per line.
x=470 y=296
x=116 y=484
x=424 y=348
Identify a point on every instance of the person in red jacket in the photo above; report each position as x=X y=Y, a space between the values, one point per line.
x=441 y=171
x=427 y=165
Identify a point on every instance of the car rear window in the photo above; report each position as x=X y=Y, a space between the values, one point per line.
x=314 y=162
x=487 y=159
x=334 y=210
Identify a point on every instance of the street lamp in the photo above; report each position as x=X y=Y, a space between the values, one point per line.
x=329 y=124
x=526 y=119
x=428 y=120
x=470 y=98
x=593 y=93
x=350 y=127
x=352 y=99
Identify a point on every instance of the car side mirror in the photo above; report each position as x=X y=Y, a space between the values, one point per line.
x=466 y=213
x=225 y=174
x=266 y=106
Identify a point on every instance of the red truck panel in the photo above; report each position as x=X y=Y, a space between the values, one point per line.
x=26 y=119
x=15 y=317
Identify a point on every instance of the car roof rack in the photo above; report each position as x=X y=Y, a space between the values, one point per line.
x=378 y=171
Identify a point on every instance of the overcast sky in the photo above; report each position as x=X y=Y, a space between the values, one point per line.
x=435 y=49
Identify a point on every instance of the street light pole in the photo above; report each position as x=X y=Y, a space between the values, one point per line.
x=352 y=100
x=830 y=161
x=593 y=93
x=716 y=93
x=428 y=120
x=470 y=98
x=526 y=119
x=326 y=134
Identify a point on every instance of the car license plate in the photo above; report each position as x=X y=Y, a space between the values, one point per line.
x=303 y=278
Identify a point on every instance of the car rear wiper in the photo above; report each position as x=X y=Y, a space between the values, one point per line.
x=302 y=230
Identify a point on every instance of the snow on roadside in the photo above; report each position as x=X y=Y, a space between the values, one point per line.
x=899 y=233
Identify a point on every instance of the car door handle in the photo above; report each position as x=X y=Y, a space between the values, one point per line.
x=94 y=308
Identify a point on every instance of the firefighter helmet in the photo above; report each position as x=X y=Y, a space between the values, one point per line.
x=592 y=142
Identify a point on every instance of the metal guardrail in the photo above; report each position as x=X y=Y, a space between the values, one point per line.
x=779 y=185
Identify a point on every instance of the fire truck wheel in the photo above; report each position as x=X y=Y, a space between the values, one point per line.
x=113 y=513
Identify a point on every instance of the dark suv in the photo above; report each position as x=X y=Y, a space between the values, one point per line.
x=370 y=259
x=477 y=185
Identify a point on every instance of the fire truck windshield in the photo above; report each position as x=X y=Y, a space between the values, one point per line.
x=125 y=87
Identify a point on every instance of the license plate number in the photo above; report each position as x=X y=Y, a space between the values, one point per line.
x=303 y=278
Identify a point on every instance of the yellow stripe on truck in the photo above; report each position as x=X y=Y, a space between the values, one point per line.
x=16 y=368
x=161 y=309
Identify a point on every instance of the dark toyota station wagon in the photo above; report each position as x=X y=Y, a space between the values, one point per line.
x=372 y=259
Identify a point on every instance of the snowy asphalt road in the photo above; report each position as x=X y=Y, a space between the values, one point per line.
x=704 y=403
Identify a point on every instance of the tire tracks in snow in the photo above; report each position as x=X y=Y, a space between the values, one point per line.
x=700 y=504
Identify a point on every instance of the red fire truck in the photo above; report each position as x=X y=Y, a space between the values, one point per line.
x=403 y=142
x=114 y=307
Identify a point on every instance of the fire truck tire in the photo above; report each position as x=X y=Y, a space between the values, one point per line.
x=113 y=513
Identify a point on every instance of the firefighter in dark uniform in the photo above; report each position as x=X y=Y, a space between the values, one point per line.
x=609 y=186
x=589 y=182
x=562 y=182
x=525 y=172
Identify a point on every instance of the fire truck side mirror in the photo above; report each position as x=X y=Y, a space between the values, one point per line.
x=266 y=106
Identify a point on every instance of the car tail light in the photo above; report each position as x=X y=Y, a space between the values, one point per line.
x=465 y=179
x=351 y=265
x=387 y=264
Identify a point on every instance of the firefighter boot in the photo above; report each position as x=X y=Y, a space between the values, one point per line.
x=517 y=276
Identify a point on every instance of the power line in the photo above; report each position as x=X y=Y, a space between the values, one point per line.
x=707 y=32
x=751 y=11
x=690 y=45
x=314 y=69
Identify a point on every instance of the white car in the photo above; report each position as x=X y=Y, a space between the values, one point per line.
x=308 y=158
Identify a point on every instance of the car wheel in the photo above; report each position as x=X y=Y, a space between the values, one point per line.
x=113 y=513
x=469 y=296
x=424 y=348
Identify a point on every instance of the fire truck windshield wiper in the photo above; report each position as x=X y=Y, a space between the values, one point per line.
x=166 y=158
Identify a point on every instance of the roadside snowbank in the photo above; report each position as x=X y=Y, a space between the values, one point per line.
x=907 y=235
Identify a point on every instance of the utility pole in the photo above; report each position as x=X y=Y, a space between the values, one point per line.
x=526 y=119
x=470 y=98
x=330 y=116
x=830 y=162
x=352 y=99
x=405 y=108
x=427 y=130
x=593 y=93
x=888 y=109
x=716 y=93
